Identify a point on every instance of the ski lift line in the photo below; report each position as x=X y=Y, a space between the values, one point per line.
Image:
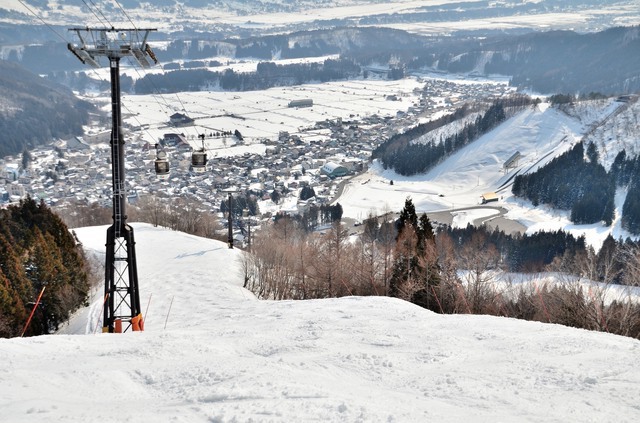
x=185 y=110
x=155 y=88
x=126 y=14
x=102 y=22
x=151 y=136
x=100 y=78
x=98 y=9
x=166 y=107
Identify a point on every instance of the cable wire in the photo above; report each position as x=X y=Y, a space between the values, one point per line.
x=43 y=21
x=126 y=15
x=94 y=13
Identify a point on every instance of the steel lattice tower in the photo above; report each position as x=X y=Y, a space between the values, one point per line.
x=122 y=297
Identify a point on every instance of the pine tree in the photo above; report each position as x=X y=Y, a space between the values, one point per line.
x=415 y=269
x=13 y=313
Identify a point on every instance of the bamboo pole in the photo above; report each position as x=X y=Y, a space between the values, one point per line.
x=168 y=311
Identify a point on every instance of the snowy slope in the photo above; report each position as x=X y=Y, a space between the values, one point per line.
x=539 y=134
x=226 y=356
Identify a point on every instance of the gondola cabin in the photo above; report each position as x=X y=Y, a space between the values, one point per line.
x=199 y=161
x=199 y=158
x=162 y=165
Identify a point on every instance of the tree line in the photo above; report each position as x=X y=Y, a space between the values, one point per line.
x=576 y=181
x=38 y=255
x=268 y=75
x=573 y=182
x=448 y=270
x=444 y=269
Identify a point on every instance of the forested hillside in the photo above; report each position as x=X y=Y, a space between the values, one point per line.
x=37 y=252
x=572 y=181
x=34 y=111
x=576 y=181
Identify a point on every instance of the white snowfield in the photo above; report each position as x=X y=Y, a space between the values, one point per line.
x=226 y=356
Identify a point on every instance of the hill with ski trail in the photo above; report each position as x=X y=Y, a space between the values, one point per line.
x=539 y=134
x=212 y=352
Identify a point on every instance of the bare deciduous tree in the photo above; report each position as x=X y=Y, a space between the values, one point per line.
x=152 y=209
x=477 y=257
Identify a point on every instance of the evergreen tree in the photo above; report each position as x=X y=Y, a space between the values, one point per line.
x=408 y=216
x=631 y=208
x=307 y=192
x=592 y=153
x=619 y=168
x=415 y=270
x=13 y=313
x=336 y=213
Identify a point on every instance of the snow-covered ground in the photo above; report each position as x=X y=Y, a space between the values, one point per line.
x=264 y=114
x=212 y=352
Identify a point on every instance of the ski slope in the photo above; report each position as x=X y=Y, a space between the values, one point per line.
x=212 y=352
x=538 y=133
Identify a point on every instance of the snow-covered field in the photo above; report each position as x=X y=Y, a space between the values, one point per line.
x=263 y=114
x=274 y=16
x=212 y=352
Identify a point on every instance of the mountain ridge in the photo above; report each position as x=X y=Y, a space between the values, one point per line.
x=34 y=111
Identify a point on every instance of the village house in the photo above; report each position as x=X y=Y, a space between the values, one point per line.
x=179 y=119
x=77 y=144
x=334 y=170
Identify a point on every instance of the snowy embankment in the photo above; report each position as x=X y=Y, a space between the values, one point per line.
x=226 y=356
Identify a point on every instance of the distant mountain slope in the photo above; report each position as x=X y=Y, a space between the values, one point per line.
x=546 y=62
x=564 y=61
x=34 y=110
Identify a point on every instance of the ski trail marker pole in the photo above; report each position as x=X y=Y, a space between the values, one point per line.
x=33 y=310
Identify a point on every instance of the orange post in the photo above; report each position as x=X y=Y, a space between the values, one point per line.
x=118 y=326
x=32 y=312
x=137 y=324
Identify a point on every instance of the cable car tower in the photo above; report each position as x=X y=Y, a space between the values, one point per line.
x=122 y=298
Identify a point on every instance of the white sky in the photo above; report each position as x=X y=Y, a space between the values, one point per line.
x=225 y=356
